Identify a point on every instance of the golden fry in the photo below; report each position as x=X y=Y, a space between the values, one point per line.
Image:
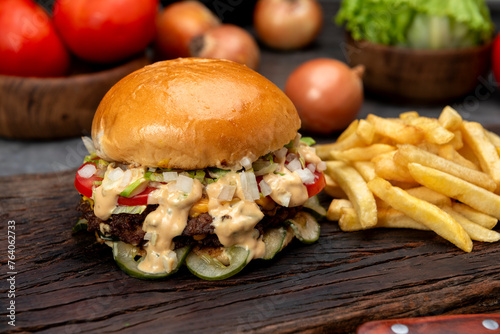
x=475 y=231
x=356 y=189
x=334 y=210
x=477 y=217
x=454 y=187
x=362 y=153
x=423 y=212
x=485 y=151
x=397 y=131
x=450 y=119
x=409 y=153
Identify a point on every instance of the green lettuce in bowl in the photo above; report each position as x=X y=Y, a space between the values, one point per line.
x=418 y=24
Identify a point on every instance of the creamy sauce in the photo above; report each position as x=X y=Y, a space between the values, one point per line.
x=309 y=154
x=287 y=187
x=235 y=220
x=106 y=195
x=165 y=223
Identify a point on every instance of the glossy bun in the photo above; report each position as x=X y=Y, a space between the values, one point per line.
x=193 y=113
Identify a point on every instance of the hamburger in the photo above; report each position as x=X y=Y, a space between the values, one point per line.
x=198 y=162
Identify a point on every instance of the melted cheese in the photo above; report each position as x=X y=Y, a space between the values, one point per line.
x=167 y=222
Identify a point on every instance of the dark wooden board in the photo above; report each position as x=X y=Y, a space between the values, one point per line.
x=69 y=283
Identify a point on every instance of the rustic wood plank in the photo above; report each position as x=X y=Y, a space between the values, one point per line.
x=69 y=283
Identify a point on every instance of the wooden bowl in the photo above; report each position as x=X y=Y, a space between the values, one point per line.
x=51 y=108
x=419 y=76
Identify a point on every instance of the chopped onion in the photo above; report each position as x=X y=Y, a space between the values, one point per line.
x=321 y=166
x=291 y=156
x=226 y=192
x=147 y=236
x=89 y=144
x=152 y=169
x=127 y=177
x=285 y=199
x=246 y=162
x=311 y=167
x=249 y=186
x=294 y=165
x=306 y=175
x=265 y=189
x=281 y=153
x=115 y=174
x=170 y=176
x=87 y=171
x=184 y=184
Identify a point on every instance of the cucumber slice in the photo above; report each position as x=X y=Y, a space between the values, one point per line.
x=313 y=206
x=206 y=267
x=305 y=227
x=125 y=256
x=274 y=239
x=81 y=225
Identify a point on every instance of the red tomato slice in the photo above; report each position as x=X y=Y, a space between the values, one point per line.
x=318 y=185
x=84 y=187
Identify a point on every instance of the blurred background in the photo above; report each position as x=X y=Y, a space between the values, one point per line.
x=432 y=61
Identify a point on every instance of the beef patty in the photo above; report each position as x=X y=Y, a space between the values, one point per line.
x=128 y=227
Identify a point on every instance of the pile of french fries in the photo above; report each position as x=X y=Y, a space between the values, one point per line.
x=416 y=172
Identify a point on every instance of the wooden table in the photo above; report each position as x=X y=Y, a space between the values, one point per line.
x=68 y=283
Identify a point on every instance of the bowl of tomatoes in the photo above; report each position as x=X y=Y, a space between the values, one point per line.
x=59 y=62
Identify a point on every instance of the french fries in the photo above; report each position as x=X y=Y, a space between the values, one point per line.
x=415 y=172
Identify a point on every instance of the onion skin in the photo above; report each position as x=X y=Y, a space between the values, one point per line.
x=178 y=23
x=227 y=41
x=327 y=94
x=287 y=24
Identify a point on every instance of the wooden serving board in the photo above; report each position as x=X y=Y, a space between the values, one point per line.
x=69 y=283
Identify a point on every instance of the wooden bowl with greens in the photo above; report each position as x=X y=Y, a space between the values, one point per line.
x=431 y=51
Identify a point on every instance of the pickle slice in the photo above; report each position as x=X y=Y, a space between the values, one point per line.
x=275 y=240
x=125 y=256
x=305 y=227
x=313 y=206
x=203 y=265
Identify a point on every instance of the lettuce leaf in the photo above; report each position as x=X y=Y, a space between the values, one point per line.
x=424 y=24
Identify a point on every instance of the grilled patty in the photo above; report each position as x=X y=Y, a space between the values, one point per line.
x=128 y=227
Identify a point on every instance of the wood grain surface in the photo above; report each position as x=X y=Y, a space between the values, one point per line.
x=70 y=284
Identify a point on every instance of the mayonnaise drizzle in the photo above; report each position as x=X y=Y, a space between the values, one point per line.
x=106 y=195
x=235 y=220
x=167 y=222
x=287 y=187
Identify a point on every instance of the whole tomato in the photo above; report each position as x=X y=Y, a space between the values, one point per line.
x=29 y=44
x=106 y=31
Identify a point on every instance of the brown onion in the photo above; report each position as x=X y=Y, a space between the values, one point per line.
x=287 y=24
x=178 y=23
x=327 y=94
x=227 y=41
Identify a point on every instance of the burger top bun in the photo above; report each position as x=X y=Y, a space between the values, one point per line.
x=193 y=113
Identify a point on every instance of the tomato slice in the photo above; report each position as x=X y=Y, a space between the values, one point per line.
x=84 y=187
x=318 y=185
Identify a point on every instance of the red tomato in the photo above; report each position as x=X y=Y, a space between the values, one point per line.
x=495 y=59
x=29 y=44
x=106 y=31
x=84 y=187
x=317 y=186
